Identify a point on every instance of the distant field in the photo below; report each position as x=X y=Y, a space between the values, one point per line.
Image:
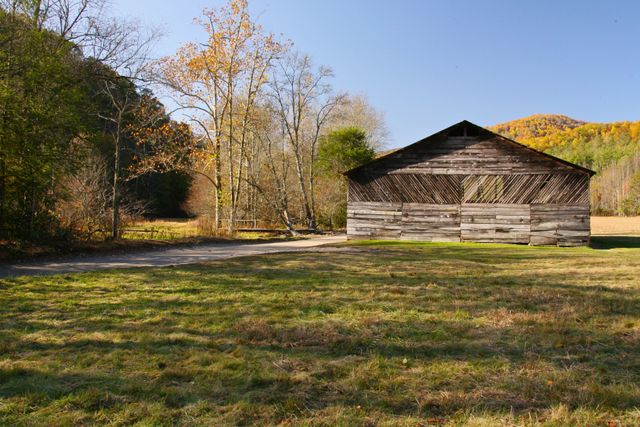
x=162 y=229
x=381 y=333
x=615 y=225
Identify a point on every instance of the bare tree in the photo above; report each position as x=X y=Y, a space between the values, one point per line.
x=304 y=103
x=357 y=111
x=85 y=209
x=270 y=173
x=120 y=82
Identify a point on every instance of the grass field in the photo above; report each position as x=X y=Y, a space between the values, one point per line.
x=162 y=229
x=376 y=334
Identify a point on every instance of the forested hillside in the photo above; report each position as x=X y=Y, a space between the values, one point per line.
x=610 y=149
x=536 y=126
x=71 y=104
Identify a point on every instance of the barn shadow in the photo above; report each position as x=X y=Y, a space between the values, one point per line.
x=615 y=242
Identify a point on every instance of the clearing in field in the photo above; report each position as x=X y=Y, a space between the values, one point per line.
x=378 y=333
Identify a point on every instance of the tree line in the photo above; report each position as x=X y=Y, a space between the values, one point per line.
x=86 y=143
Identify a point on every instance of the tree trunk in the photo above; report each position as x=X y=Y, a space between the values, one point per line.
x=254 y=208
x=305 y=194
x=3 y=173
x=37 y=6
x=232 y=219
x=286 y=220
x=115 y=195
x=218 y=187
x=32 y=213
x=233 y=191
x=312 y=191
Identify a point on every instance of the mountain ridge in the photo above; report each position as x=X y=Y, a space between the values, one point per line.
x=536 y=125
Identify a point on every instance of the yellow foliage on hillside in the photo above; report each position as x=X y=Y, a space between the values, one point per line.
x=549 y=132
x=536 y=126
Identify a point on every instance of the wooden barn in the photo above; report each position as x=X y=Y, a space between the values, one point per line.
x=468 y=184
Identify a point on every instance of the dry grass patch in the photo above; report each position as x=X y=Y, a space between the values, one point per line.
x=615 y=225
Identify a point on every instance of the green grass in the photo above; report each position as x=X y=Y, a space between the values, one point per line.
x=376 y=334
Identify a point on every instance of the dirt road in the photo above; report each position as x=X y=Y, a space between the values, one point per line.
x=160 y=258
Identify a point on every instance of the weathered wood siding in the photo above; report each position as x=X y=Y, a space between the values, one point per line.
x=562 y=188
x=538 y=224
x=406 y=188
x=479 y=188
x=430 y=222
x=374 y=220
x=403 y=221
x=468 y=156
x=562 y=225
x=490 y=223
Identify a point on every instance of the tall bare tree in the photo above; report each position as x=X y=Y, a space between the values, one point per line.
x=270 y=173
x=304 y=101
x=119 y=83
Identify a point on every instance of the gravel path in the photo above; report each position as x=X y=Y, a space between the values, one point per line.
x=160 y=258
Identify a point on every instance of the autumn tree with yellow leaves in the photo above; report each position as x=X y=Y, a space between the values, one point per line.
x=257 y=109
x=218 y=84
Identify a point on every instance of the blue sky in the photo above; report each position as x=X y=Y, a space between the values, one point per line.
x=428 y=64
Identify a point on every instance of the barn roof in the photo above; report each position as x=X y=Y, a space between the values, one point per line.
x=461 y=125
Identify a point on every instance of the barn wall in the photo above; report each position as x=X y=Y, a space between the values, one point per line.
x=490 y=223
x=403 y=221
x=430 y=222
x=374 y=220
x=469 y=156
x=538 y=224
x=562 y=225
x=471 y=189
x=555 y=188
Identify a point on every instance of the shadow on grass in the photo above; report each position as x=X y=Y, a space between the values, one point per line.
x=614 y=242
x=491 y=328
